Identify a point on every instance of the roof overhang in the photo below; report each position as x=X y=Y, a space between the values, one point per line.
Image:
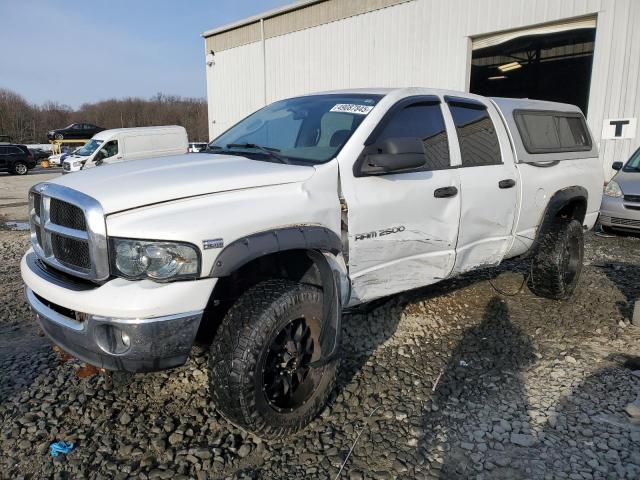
x=261 y=16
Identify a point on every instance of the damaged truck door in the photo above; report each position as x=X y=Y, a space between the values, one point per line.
x=403 y=222
x=489 y=187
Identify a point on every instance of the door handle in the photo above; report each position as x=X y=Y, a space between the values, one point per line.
x=445 y=192
x=508 y=183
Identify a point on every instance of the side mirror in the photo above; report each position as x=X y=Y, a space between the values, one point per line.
x=99 y=158
x=617 y=165
x=394 y=155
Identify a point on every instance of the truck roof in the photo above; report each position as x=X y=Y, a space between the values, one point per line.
x=506 y=108
x=503 y=103
x=103 y=135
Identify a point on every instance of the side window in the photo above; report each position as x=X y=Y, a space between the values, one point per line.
x=4 y=150
x=14 y=151
x=551 y=132
x=77 y=126
x=479 y=144
x=110 y=149
x=423 y=121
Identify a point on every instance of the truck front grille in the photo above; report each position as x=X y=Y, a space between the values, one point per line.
x=68 y=231
x=36 y=203
x=67 y=215
x=71 y=252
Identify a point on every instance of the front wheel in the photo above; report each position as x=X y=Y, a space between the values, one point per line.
x=58 y=136
x=557 y=264
x=261 y=377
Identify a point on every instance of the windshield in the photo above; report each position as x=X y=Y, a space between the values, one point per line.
x=88 y=148
x=633 y=165
x=309 y=129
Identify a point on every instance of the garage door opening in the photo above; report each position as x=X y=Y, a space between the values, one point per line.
x=544 y=63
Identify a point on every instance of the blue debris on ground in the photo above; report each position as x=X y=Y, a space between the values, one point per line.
x=61 y=447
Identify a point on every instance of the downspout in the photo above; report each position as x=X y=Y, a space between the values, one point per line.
x=264 y=64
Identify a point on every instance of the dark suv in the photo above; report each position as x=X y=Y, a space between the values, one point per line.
x=16 y=159
x=75 y=130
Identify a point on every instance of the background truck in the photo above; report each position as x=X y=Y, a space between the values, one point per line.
x=309 y=206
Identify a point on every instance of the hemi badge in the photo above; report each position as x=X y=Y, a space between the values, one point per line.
x=215 y=243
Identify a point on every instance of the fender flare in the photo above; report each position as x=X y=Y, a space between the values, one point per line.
x=556 y=203
x=248 y=248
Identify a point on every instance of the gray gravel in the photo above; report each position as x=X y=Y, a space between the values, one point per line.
x=524 y=388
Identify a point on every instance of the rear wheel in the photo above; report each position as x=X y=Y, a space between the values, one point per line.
x=261 y=377
x=557 y=264
x=20 y=168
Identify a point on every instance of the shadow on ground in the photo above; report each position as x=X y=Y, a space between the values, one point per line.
x=626 y=277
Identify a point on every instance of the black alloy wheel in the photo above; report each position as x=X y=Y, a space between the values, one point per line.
x=286 y=382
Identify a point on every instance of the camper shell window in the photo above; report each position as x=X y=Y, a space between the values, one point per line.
x=545 y=131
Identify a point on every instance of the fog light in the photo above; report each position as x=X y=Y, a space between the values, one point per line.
x=111 y=339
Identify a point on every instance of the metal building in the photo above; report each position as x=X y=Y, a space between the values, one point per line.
x=585 y=52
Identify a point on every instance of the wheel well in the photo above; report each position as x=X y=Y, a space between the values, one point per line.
x=293 y=265
x=567 y=204
x=574 y=209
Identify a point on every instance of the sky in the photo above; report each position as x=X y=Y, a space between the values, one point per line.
x=77 y=51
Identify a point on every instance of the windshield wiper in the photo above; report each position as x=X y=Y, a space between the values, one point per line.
x=268 y=150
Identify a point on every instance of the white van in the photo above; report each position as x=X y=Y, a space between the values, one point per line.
x=123 y=144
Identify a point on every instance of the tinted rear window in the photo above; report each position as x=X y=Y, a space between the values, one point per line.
x=549 y=132
x=479 y=145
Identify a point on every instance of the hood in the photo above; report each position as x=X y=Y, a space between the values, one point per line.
x=629 y=182
x=126 y=185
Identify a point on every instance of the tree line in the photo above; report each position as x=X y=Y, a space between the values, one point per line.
x=28 y=123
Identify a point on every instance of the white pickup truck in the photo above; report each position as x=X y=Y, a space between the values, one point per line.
x=309 y=206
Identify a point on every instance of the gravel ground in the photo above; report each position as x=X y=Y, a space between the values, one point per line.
x=524 y=388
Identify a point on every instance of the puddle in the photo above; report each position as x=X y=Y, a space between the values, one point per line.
x=17 y=225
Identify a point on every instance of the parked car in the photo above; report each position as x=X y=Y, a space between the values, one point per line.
x=122 y=144
x=16 y=159
x=75 y=130
x=195 y=147
x=308 y=206
x=39 y=154
x=620 y=208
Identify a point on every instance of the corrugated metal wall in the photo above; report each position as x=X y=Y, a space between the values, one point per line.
x=424 y=43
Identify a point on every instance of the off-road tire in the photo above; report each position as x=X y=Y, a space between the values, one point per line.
x=240 y=347
x=557 y=264
x=19 y=168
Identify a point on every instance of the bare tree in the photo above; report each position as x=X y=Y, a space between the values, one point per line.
x=27 y=123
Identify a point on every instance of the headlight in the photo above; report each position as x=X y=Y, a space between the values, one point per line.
x=162 y=261
x=77 y=164
x=613 y=190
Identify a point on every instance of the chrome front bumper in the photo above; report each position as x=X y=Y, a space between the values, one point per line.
x=133 y=345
